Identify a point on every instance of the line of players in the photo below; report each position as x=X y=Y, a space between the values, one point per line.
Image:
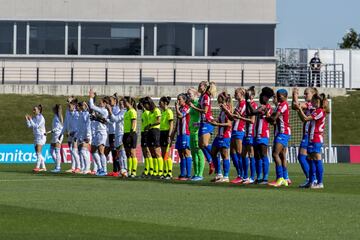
x=243 y=134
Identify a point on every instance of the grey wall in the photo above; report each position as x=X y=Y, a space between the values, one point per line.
x=241 y=11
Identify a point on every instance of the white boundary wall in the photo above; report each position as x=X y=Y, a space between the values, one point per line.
x=349 y=58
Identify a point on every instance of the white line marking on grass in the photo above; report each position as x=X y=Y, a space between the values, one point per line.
x=34 y=179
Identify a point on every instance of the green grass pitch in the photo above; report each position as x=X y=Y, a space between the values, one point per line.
x=48 y=206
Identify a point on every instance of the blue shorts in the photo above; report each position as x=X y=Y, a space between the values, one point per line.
x=221 y=142
x=205 y=128
x=314 y=147
x=182 y=142
x=283 y=139
x=261 y=141
x=304 y=142
x=248 y=141
x=238 y=135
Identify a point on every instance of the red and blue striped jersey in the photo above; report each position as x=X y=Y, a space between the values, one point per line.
x=283 y=122
x=317 y=126
x=239 y=125
x=250 y=127
x=184 y=122
x=224 y=132
x=262 y=125
x=308 y=111
x=205 y=101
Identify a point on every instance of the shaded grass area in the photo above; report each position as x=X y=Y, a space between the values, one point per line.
x=44 y=206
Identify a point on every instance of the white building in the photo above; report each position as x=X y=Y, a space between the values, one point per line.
x=138 y=41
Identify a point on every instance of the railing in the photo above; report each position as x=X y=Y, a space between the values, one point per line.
x=330 y=75
x=135 y=76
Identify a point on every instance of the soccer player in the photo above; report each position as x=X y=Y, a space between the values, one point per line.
x=262 y=135
x=281 y=117
x=196 y=153
x=183 y=137
x=153 y=136
x=37 y=123
x=248 y=150
x=84 y=137
x=238 y=116
x=56 y=128
x=316 y=138
x=222 y=141
x=207 y=90
x=70 y=128
x=149 y=164
x=307 y=109
x=166 y=128
x=116 y=116
x=100 y=130
x=111 y=129
x=130 y=136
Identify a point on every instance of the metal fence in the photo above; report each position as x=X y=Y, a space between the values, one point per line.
x=330 y=75
x=135 y=76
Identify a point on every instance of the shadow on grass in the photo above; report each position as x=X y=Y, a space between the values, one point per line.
x=27 y=223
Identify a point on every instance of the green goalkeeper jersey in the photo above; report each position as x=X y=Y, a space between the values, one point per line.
x=194 y=119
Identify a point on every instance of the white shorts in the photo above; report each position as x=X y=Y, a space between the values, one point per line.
x=55 y=138
x=119 y=140
x=100 y=139
x=40 y=140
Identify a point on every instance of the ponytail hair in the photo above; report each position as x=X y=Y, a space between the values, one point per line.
x=241 y=90
x=313 y=90
x=324 y=103
x=131 y=100
x=227 y=98
x=58 y=112
x=148 y=100
x=165 y=100
x=40 y=108
x=211 y=89
x=252 y=91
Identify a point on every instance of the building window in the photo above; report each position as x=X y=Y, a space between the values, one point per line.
x=174 y=39
x=47 y=38
x=149 y=39
x=241 y=40
x=72 y=39
x=110 y=39
x=199 y=40
x=21 y=38
x=6 y=37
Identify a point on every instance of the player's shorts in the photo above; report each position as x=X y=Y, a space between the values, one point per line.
x=221 y=142
x=238 y=135
x=153 y=138
x=314 y=147
x=261 y=141
x=205 y=128
x=39 y=139
x=248 y=141
x=144 y=139
x=110 y=141
x=164 y=138
x=194 y=140
x=130 y=140
x=118 y=140
x=55 y=138
x=100 y=139
x=283 y=139
x=304 y=142
x=182 y=142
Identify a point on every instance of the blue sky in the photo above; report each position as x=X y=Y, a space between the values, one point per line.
x=315 y=23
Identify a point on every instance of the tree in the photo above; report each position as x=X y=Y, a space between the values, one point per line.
x=350 y=40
